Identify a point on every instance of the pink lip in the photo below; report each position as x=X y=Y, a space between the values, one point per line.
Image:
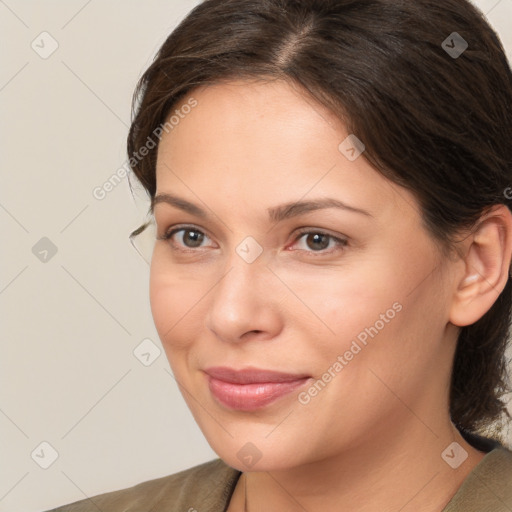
x=251 y=388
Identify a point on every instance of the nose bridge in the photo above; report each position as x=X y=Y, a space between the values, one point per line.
x=241 y=300
x=242 y=280
x=246 y=264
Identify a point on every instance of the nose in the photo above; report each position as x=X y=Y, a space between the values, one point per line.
x=244 y=303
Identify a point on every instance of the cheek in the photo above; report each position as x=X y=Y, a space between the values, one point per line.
x=392 y=350
x=340 y=305
x=369 y=319
x=174 y=304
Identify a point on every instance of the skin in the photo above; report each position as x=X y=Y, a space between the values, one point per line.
x=372 y=438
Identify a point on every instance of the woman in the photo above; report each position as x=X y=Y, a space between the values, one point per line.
x=330 y=280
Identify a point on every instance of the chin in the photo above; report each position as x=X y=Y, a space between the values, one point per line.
x=255 y=453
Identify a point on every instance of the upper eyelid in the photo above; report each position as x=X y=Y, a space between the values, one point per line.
x=176 y=228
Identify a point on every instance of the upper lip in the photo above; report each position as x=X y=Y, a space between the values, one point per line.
x=251 y=375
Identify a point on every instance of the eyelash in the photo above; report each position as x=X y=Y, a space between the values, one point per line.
x=341 y=243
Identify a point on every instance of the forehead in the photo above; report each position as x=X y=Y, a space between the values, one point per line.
x=264 y=142
x=263 y=95
x=250 y=124
x=251 y=114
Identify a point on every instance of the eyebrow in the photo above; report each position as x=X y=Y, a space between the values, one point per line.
x=276 y=213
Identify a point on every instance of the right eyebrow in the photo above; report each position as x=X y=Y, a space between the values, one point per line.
x=180 y=203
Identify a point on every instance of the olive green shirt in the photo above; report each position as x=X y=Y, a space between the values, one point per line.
x=208 y=488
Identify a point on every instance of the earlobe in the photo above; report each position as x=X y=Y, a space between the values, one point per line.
x=487 y=267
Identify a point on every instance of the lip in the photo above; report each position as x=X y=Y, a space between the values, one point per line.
x=251 y=388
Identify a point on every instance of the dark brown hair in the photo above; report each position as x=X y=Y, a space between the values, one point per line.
x=433 y=121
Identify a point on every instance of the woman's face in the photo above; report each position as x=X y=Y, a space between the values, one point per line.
x=270 y=272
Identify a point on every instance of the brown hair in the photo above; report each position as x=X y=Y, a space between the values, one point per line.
x=434 y=122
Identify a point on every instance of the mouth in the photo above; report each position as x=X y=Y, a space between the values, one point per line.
x=251 y=388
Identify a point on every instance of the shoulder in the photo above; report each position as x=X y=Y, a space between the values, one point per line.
x=488 y=487
x=200 y=487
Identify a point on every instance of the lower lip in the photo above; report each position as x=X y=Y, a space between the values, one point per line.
x=249 y=397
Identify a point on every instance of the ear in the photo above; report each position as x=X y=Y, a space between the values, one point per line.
x=487 y=267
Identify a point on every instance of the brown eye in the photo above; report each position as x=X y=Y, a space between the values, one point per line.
x=190 y=237
x=317 y=241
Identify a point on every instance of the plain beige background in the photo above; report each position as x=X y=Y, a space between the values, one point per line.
x=73 y=292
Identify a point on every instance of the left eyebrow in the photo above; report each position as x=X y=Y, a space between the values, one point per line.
x=276 y=213
x=285 y=211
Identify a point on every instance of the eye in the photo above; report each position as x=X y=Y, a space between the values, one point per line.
x=309 y=240
x=190 y=236
x=319 y=241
